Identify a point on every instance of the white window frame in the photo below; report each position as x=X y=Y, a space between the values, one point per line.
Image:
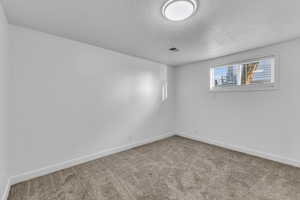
x=255 y=87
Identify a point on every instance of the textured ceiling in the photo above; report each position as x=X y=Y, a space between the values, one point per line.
x=136 y=27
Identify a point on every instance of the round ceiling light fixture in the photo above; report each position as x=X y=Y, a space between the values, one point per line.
x=178 y=10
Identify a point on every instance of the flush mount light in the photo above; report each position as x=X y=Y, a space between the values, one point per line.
x=178 y=10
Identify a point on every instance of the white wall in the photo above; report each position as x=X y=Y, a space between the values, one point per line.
x=265 y=122
x=72 y=100
x=4 y=79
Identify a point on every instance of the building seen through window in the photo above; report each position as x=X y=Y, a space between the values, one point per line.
x=249 y=73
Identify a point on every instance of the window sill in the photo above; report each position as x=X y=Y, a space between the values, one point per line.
x=246 y=88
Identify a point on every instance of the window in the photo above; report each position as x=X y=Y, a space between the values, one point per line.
x=254 y=74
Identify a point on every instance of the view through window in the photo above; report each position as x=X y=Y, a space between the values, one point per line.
x=255 y=72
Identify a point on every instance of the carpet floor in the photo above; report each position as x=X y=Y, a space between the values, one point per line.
x=172 y=169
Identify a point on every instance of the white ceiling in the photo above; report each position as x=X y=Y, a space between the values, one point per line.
x=136 y=27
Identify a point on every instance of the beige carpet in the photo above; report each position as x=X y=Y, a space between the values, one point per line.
x=171 y=169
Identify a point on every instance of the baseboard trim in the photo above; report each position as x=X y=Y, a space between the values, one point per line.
x=53 y=168
x=6 y=191
x=245 y=150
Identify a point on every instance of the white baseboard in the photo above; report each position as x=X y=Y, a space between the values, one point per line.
x=6 y=191
x=56 y=167
x=50 y=169
x=245 y=150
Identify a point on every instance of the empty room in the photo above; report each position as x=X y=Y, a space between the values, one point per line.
x=149 y=100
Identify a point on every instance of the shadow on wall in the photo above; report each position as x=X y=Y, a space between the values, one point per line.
x=142 y=98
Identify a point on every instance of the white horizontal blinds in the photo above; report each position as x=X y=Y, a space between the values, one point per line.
x=263 y=73
x=254 y=72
